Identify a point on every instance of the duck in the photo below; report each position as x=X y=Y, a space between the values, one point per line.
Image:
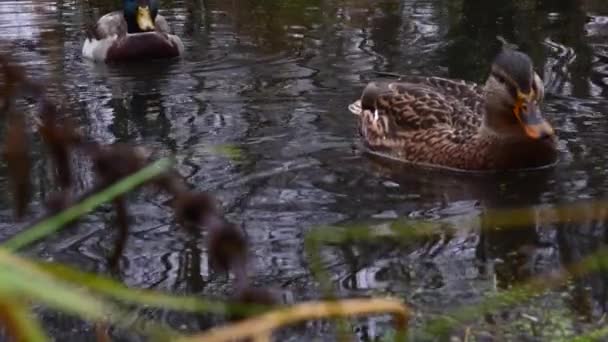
x=460 y=125
x=136 y=33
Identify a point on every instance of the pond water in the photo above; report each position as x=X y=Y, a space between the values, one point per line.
x=271 y=81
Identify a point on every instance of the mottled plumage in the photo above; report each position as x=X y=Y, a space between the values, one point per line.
x=460 y=125
x=117 y=36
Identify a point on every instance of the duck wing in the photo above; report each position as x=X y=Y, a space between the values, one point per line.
x=399 y=107
x=109 y=25
x=161 y=25
x=465 y=98
x=468 y=94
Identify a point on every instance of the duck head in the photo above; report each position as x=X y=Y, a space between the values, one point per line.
x=140 y=15
x=513 y=94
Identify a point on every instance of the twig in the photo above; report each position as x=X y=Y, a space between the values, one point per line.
x=123 y=232
x=264 y=324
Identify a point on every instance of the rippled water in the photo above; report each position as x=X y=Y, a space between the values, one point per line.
x=273 y=78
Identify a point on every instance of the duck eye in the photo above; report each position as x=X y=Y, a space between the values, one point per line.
x=500 y=78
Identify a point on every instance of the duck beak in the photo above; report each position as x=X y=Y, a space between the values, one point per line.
x=530 y=118
x=144 y=19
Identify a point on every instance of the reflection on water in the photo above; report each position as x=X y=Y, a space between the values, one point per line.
x=274 y=78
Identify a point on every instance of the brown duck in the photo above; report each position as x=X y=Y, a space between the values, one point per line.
x=459 y=125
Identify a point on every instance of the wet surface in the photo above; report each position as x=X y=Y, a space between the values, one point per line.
x=273 y=79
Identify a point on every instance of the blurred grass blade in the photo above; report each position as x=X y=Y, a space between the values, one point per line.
x=592 y=336
x=232 y=152
x=19 y=323
x=518 y=294
x=404 y=231
x=20 y=278
x=51 y=225
x=401 y=230
x=119 y=291
x=407 y=231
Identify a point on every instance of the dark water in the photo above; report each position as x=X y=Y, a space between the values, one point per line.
x=273 y=79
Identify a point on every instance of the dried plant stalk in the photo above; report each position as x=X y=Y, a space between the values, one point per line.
x=122 y=218
x=262 y=326
x=16 y=154
x=18 y=323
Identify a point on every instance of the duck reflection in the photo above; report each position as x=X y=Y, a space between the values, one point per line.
x=139 y=102
x=581 y=234
x=517 y=236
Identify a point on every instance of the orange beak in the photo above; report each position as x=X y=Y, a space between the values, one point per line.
x=144 y=19
x=529 y=117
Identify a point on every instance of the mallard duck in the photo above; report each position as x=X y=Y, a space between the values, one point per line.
x=460 y=125
x=137 y=32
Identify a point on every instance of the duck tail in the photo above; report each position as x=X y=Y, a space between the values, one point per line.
x=355 y=108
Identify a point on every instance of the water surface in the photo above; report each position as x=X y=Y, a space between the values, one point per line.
x=273 y=79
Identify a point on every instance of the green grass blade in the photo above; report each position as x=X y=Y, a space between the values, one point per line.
x=408 y=231
x=119 y=291
x=20 y=278
x=55 y=223
x=592 y=336
x=232 y=152
x=518 y=294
